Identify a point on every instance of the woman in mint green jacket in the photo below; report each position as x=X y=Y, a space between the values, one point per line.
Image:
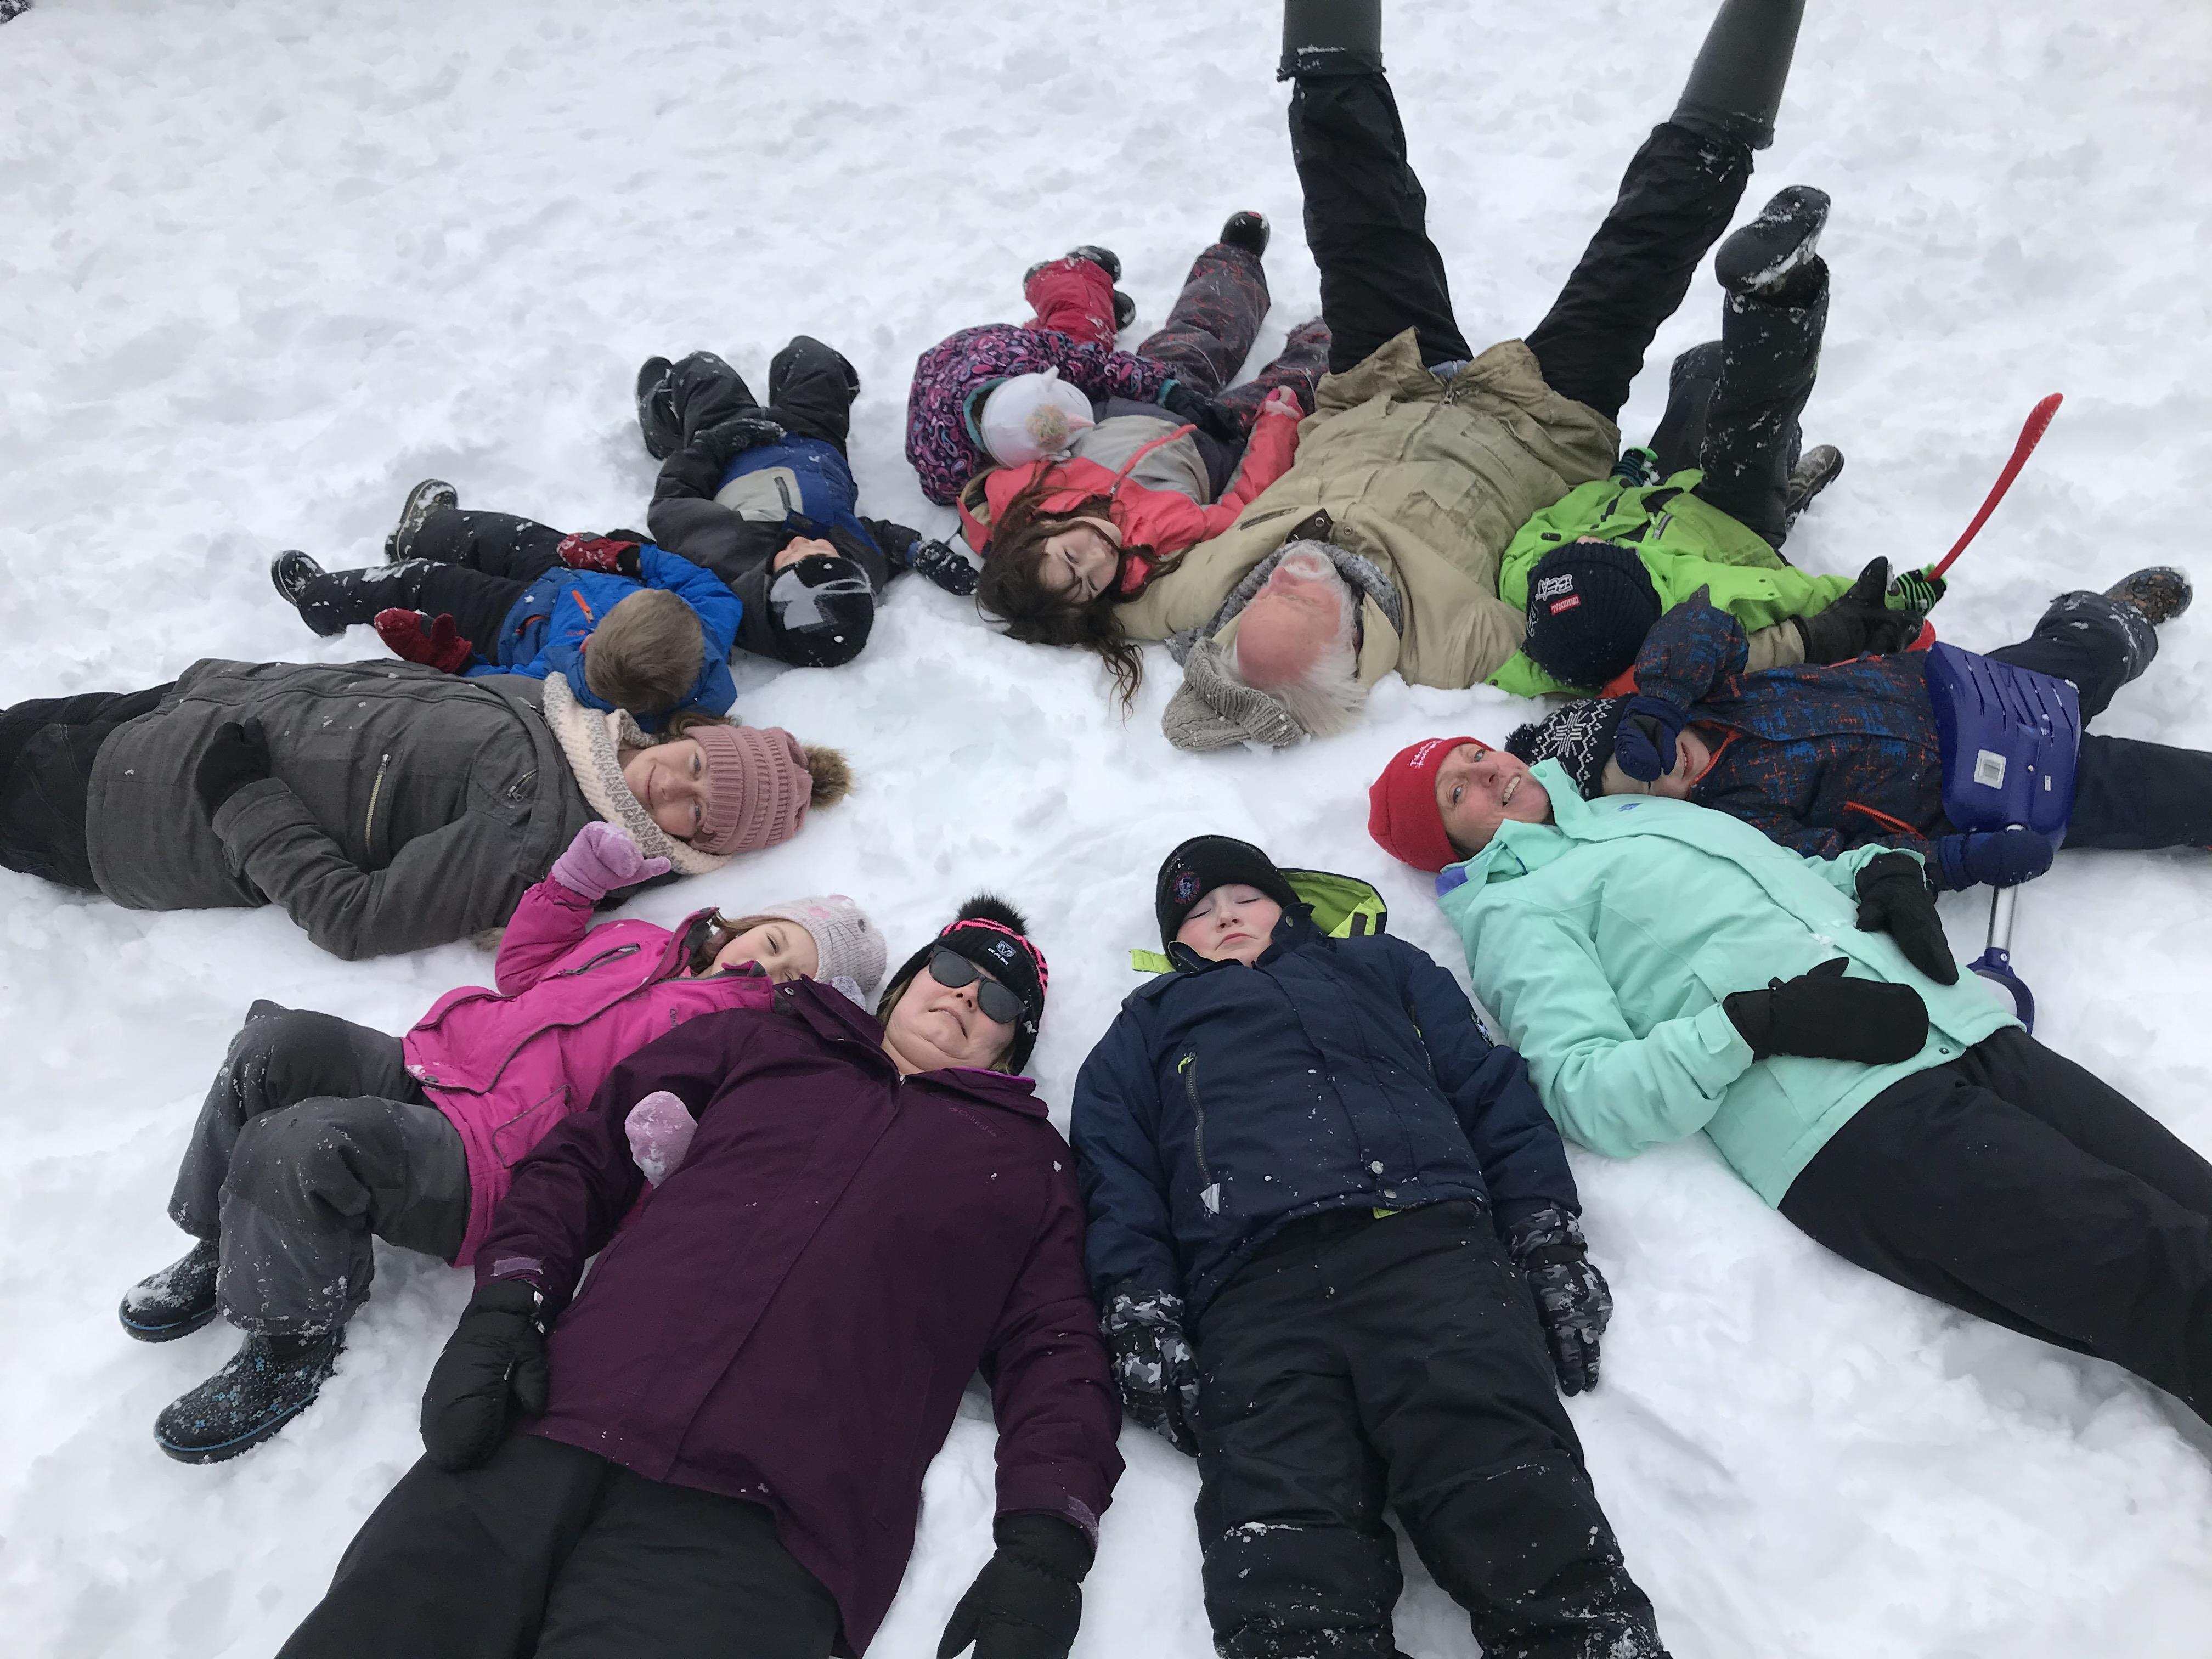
x=1666 y=968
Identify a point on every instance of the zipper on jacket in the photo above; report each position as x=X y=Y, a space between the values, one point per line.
x=783 y=494
x=369 y=823
x=1209 y=1189
x=615 y=954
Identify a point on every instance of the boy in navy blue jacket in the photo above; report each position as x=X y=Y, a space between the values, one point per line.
x=1332 y=1233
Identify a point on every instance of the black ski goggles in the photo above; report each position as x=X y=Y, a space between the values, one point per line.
x=952 y=970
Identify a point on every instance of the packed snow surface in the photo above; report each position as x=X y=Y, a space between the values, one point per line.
x=268 y=262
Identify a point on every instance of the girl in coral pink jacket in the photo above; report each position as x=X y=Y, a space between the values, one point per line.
x=319 y=1135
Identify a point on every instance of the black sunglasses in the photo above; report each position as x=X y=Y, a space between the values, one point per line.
x=952 y=970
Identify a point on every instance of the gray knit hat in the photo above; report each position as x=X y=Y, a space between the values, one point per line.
x=851 y=947
x=1215 y=710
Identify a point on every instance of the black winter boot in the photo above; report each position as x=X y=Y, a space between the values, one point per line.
x=656 y=410
x=1250 y=231
x=268 y=1381
x=176 y=1301
x=1331 y=37
x=291 y=571
x=431 y=495
x=1816 y=469
x=2159 y=590
x=1734 y=88
x=1772 y=255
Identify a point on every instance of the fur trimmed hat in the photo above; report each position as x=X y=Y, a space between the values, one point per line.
x=995 y=936
x=1579 y=735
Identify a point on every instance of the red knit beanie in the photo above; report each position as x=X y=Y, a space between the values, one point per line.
x=757 y=787
x=1402 y=805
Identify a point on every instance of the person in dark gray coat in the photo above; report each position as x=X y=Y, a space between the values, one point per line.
x=386 y=805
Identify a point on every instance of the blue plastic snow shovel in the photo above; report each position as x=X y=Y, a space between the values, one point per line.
x=2009 y=738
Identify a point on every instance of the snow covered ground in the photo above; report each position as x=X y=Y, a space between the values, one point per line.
x=268 y=262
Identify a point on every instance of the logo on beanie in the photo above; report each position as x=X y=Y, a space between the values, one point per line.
x=1553 y=587
x=1001 y=949
x=1567 y=604
x=1185 y=885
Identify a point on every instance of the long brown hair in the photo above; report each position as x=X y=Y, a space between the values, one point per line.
x=1011 y=591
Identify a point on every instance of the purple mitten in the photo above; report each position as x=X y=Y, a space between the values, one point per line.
x=601 y=859
x=660 y=1128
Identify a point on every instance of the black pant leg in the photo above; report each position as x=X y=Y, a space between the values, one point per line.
x=1298 y=1556
x=704 y=390
x=478 y=603
x=497 y=543
x=1457 y=1389
x=1946 y=1186
x=1679 y=438
x=280 y=1057
x=1675 y=199
x=48 y=746
x=457 y=1566
x=1367 y=221
x=310 y=1189
x=1215 y=318
x=2090 y=640
x=1769 y=357
x=811 y=388
x=668 y=1572
x=2133 y=795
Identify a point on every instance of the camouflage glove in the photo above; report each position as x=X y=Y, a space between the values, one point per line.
x=1572 y=1301
x=1153 y=1368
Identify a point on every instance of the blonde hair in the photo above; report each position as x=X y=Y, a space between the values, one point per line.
x=646 y=654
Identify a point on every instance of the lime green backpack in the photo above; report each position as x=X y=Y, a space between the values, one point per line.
x=1344 y=907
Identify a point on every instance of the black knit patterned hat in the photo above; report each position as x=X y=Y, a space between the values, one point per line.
x=1579 y=735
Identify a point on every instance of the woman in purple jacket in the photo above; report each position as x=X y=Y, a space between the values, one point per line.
x=320 y=1136
x=723 y=1437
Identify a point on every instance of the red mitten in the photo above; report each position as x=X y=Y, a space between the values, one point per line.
x=599 y=553
x=415 y=637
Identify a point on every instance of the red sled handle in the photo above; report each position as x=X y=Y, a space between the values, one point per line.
x=2039 y=423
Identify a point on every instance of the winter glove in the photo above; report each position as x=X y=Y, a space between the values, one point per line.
x=497 y=1352
x=1894 y=899
x=1824 y=1016
x=2003 y=858
x=1213 y=419
x=601 y=859
x=1858 y=622
x=1571 y=1297
x=604 y=554
x=1152 y=1367
x=1283 y=401
x=1644 y=742
x=1916 y=591
x=943 y=566
x=413 y=637
x=1027 y=1603
x=1638 y=466
x=724 y=443
x=236 y=756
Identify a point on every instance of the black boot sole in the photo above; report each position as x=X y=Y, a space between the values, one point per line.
x=166 y=1333
x=1784 y=239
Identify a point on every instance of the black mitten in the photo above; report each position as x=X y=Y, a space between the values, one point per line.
x=1027 y=1603
x=1894 y=899
x=496 y=1354
x=1824 y=1016
x=1858 y=620
x=943 y=565
x=1215 y=420
x=236 y=756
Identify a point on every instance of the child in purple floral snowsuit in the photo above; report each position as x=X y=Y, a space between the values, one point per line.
x=1182 y=367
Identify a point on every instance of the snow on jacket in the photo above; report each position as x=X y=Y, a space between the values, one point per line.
x=1225 y=1101
x=731 y=508
x=506 y=1066
x=1686 y=545
x=1604 y=943
x=793 y=1318
x=941 y=439
x=1165 y=520
x=549 y=629
x=1821 y=758
x=404 y=807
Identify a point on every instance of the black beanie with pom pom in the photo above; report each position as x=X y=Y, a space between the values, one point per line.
x=995 y=936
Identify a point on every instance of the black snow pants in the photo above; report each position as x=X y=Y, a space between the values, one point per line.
x=2014 y=1185
x=1357 y=1363
x=46 y=750
x=314 y=1141
x=473 y=567
x=547 y=1552
x=1367 y=224
x=2128 y=794
x=810 y=389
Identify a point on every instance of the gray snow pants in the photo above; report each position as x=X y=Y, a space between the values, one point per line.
x=313 y=1142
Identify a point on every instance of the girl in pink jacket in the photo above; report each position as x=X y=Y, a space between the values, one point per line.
x=320 y=1135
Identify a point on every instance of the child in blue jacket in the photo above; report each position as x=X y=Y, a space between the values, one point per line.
x=628 y=625
x=1332 y=1233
